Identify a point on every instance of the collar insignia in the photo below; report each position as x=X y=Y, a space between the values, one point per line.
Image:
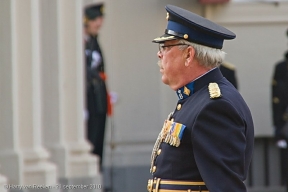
x=214 y=90
x=186 y=91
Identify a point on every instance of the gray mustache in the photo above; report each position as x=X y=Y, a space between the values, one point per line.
x=160 y=63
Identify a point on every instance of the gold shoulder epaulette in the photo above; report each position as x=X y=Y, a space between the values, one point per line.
x=229 y=66
x=214 y=90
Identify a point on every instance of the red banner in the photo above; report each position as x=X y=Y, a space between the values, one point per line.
x=213 y=1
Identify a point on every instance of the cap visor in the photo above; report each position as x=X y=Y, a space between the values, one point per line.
x=163 y=38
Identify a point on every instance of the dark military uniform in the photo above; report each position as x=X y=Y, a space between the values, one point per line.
x=96 y=96
x=206 y=144
x=96 y=87
x=280 y=110
x=228 y=71
x=217 y=142
x=280 y=97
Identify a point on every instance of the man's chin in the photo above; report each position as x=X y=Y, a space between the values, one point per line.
x=164 y=80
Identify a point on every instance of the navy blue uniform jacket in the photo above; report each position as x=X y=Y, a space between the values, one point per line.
x=217 y=143
x=280 y=98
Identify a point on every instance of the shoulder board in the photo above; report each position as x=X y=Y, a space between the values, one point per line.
x=229 y=66
x=214 y=91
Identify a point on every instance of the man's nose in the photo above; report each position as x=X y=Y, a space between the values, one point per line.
x=159 y=54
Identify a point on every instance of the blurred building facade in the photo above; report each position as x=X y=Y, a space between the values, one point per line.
x=42 y=105
x=42 y=138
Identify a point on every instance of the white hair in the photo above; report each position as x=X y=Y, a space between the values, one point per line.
x=207 y=56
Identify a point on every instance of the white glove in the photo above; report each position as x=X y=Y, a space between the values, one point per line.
x=96 y=59
x=113 y=97
x=282 y=144
x=85 y=114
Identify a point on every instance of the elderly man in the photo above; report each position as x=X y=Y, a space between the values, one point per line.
x=206 y=144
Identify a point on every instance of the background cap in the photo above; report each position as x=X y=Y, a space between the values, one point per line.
x=94 y=11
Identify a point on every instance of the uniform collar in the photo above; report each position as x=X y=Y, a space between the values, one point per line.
x=211 y=76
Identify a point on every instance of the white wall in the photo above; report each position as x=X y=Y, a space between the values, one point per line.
x=261 y=42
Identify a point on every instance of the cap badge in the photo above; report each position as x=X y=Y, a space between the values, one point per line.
x=186 y=91
x=85 y=20
x=167 y=16
x=102 y=9
x=214 y=90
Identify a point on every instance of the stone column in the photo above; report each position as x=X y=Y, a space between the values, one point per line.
x=37 y=170
x=10 y=158
x=63 y=96
x=22 y=156
x=3 y=183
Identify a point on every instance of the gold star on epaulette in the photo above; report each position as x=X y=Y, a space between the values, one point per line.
x=186 y=91
x=214 y=90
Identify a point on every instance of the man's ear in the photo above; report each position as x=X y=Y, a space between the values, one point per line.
x=189 y=54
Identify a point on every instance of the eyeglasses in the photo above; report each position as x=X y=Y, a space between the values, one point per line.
x=162 y=46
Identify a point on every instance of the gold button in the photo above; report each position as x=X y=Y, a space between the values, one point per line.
x=154 y=169
x=274 y=82
x=159 y=152
x=179 y=106
x=185 y=36
x=285 y=118
x=276 y=100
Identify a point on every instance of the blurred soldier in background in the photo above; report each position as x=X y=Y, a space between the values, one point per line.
x=97 y=97
x=280 y=112
x=229 y=72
